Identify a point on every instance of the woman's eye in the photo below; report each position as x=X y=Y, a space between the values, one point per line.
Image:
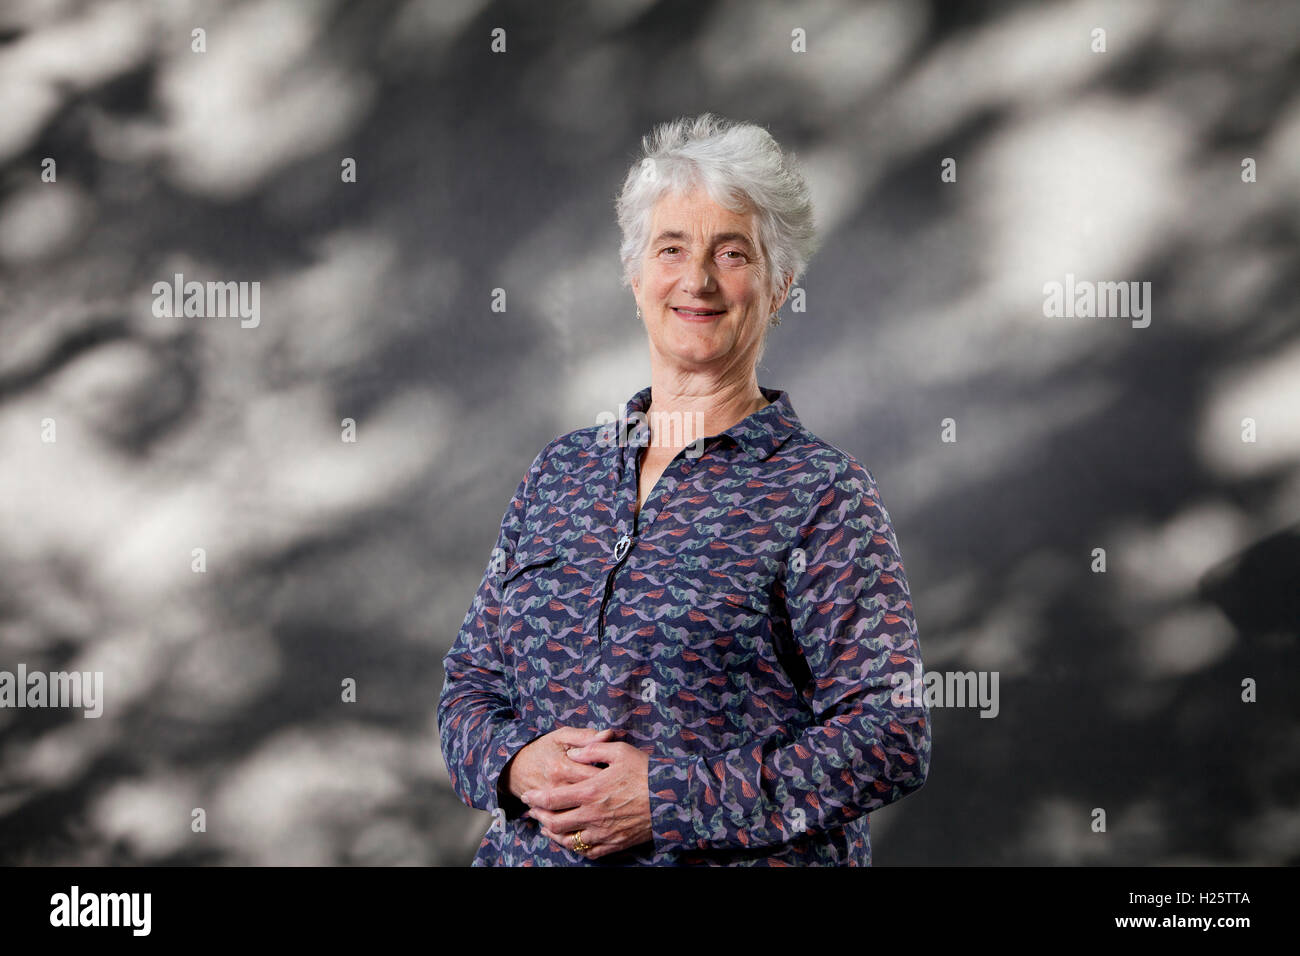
x=672 y=250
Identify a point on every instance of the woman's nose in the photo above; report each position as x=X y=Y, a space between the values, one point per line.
x=698 y=277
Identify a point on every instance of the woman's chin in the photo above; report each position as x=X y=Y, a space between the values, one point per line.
x=697 y=354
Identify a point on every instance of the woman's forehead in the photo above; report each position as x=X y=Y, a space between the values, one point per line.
x=695 y=212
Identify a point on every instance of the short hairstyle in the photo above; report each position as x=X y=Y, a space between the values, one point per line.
x=736 y=163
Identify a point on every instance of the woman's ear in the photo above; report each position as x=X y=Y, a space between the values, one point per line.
x=636 y=294
x=783 y=292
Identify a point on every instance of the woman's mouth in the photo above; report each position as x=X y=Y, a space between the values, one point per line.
x=698 y=315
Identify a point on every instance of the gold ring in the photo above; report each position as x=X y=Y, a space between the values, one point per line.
x=578 y=845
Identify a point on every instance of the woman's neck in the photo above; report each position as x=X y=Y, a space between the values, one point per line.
x=679 y=413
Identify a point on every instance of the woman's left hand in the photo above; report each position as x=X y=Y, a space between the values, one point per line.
x=612 y=809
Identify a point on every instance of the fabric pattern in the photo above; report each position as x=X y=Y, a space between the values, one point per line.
x=751 y=630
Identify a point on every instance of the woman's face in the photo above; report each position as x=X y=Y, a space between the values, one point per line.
x=704 y=290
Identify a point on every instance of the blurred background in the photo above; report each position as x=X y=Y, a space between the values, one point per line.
x=479 y=170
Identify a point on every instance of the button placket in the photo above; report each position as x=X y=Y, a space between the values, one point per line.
x=654 y=504
x=641 y=523
x=621 y=547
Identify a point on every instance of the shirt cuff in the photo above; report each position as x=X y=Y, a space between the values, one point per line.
x=508 y=743
x=672 y=811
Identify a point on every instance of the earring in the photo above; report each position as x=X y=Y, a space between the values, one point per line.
x=638 y=311
x=776 y=319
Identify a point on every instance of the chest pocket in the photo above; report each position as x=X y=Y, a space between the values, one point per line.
x=527 y=588
x=525 y=561
x=542 y=600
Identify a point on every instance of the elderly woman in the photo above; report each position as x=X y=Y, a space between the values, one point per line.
x=694 y=643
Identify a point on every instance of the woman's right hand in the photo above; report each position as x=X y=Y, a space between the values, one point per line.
x=545 y=761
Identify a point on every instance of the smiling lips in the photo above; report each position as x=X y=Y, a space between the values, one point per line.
x=697 y=314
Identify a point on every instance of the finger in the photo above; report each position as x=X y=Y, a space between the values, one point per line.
x=562 y=820
x=564 y=797
x=570 y=821
x=565 y=840
x=566 y=825
x=599 y=752
x=601 y=737
x=577 y=736
x=544 y=818
x=596 y=847
x=573 y=771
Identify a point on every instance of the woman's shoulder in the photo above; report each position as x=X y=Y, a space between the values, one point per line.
x=847 y=487
x=566 y=458
x=575 y=447
x=839 y=468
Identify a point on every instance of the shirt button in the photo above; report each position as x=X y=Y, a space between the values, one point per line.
x=620 y=549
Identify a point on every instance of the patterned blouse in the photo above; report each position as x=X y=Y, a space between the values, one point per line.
x=751 y=630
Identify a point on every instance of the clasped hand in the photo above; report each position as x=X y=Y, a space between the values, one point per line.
x=566 y=793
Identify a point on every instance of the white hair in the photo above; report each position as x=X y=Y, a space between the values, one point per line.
x=737 y=163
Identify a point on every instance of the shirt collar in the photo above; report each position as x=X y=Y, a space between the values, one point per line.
x=758 y=435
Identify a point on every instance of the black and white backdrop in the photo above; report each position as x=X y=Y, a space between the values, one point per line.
x=262 y=530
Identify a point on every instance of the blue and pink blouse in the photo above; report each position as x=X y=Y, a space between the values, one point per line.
x=751 y=630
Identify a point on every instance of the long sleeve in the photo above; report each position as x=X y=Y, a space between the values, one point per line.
x=477 y=724
x=850 y=611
